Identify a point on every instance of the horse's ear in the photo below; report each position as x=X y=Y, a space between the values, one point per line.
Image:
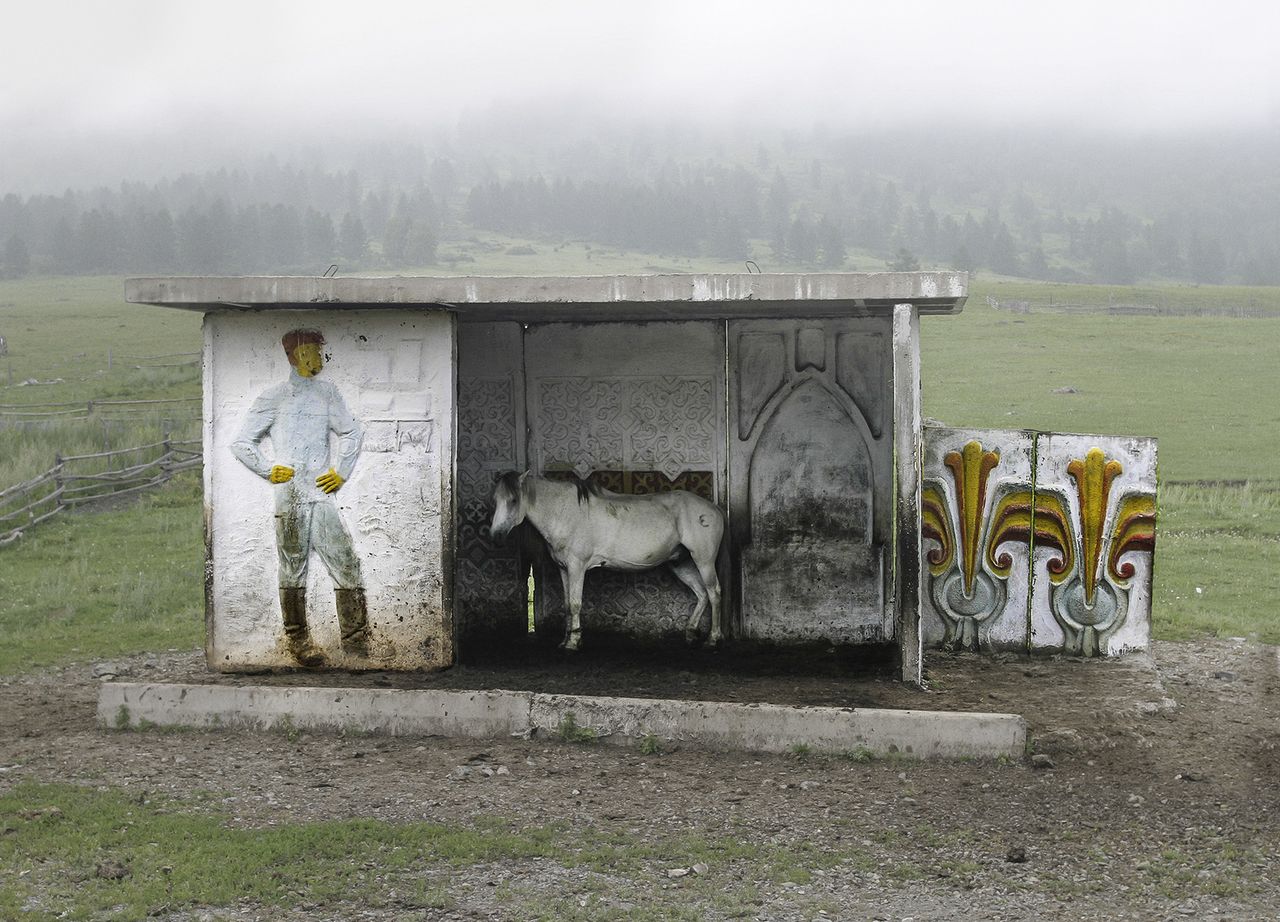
x=524 y=477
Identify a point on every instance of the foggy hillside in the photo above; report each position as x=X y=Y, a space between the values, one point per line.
x=1047 y=204
x=1088 y=141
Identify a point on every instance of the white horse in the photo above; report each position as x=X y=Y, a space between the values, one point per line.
x=587 y=527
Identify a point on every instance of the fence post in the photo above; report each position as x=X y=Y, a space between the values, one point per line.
x=57 y=478
x=167 y=457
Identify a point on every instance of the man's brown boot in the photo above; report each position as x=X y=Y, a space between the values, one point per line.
x=293 y=605
x=353 y=621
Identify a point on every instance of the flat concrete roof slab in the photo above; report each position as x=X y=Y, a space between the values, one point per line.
x=571 y=298
x=625 y=721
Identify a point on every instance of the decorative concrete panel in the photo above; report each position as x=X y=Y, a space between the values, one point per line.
x=976 y=580
x=358 y=577
x=861 y=369
x=1095 y=539
x=812 y=481
x=1038 y=541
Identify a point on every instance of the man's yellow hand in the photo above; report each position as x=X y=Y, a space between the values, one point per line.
x=330 y=481
x=280 y=474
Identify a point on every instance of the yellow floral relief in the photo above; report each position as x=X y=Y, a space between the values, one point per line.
x=1093 y=475
x=970 y=468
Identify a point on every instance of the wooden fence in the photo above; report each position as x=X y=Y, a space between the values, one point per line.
x=80 y=480
x=27 y=413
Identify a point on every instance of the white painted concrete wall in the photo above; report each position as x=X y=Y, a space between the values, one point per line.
x=395 y=370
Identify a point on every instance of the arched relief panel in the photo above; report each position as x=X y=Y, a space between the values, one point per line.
x=810 y=473
x=811 y=481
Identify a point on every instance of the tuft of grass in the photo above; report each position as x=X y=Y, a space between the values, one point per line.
x=286 y=726
x=859 y=754
x=799 y=751
x=651 y=745
x=570 y=731
x=1217 y=562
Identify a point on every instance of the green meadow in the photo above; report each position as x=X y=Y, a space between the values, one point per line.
x=1195 y=367
x=1199 y=382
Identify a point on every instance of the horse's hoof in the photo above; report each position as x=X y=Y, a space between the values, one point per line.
x=571 y=643
x=691 y=638
x=714 y=641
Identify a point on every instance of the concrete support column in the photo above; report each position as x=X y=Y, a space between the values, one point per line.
x=907 y=459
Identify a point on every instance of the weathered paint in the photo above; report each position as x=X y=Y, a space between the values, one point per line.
x=907 y=457
x=395 y=372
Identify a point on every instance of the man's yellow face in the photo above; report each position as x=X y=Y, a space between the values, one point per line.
x=308 y=360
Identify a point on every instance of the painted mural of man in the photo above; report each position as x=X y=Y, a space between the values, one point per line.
x=299 y=416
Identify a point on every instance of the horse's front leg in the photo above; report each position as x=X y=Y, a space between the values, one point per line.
x=573 y=575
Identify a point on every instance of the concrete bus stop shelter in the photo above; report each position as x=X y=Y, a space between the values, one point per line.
x=790 y=400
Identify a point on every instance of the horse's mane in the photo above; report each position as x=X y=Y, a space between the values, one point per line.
x=586 y=488
x=510 y=482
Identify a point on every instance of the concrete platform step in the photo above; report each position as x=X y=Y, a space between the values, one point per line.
x=622 y=721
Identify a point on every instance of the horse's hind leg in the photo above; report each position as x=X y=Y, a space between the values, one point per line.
x=711 y=579
x=687 y=573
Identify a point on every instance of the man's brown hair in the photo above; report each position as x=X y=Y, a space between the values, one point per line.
x=295 y=338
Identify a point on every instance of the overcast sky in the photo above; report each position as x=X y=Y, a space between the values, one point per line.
x=75 y=72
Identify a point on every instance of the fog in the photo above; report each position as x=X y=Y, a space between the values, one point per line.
x=99 y=92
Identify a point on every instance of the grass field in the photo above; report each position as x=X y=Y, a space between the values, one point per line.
x=79 y=341
x=96 y=584
x=177 y=854
x=129 y=578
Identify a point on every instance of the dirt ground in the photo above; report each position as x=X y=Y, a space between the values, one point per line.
x=1159 y=799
